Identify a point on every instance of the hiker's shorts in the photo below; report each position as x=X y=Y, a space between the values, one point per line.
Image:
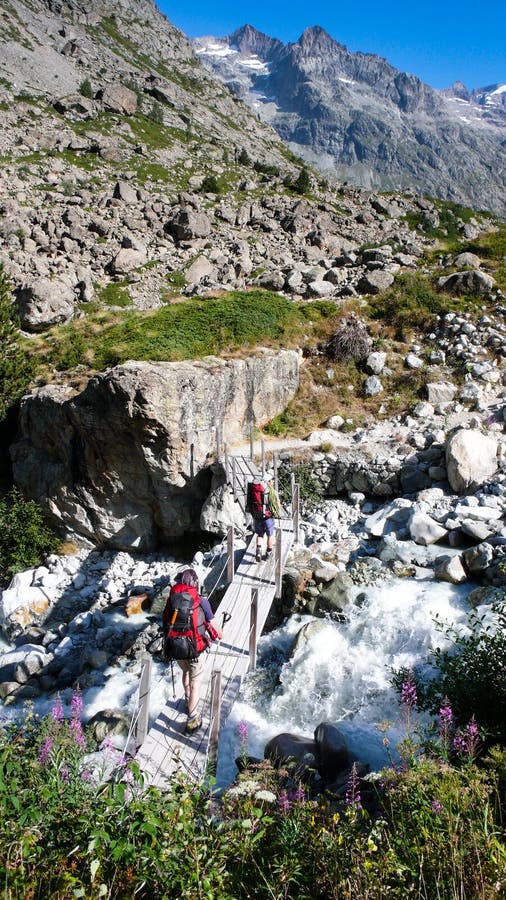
x=264 y=526
x=193 y=666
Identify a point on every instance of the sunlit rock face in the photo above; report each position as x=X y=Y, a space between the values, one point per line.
x=126 y=462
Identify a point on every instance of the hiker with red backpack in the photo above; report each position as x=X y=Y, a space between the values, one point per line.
x=263 y=505
x=189 y=628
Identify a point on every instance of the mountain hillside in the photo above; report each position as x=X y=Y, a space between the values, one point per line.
x=131 y=175
x=356 y=116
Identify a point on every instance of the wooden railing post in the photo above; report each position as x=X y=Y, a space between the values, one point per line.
x=277 y=563
x=262 y=444
x=141 y=726
x=275 y=470
x=253 y=630
x=234 y=476
x=292 y=489
x=214 y=731
x=230 y=555
x=225 y=451
x=296 y=512
x=251 y=442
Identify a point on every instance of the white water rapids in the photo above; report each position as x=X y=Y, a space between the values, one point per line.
x=342 y=674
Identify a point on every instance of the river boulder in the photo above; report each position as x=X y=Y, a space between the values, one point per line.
x=471 y=459
x=333 y=755
x=126 y=462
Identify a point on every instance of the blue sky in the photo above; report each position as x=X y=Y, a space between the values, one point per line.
x=441 y=41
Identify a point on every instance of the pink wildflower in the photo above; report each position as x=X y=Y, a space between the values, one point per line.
x=408 y=692
x=284 y=804
x=57 y=714
x=76 y=728
x=353 y=798
x=45 y=751
x=76 y=704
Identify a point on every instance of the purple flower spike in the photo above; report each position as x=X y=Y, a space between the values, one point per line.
x=408 y=692
x=75 y=726
x=284 y=804
x=353 y=798
x=76 y=704
x=242 y=731
x=436 y=807
x=45 y=751
x=445 y=713
x=57 y=713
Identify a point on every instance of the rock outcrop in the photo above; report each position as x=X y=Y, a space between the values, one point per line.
x=126 y=463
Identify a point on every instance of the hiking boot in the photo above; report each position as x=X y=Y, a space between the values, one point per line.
x=194 y=724
x=258 y=555
x=268 y=553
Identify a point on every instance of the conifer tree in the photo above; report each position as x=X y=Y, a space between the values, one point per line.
x=15 y=367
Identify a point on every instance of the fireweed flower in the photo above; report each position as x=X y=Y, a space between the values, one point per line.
x=353 y=798
x=45 y=751
x=408 y=692
x=284 y=804
x=64 y=773
x=445 y=723
x=242 y=731
x=436 y=807
x=76 y=705
x=77 y=731
x=466 y=742
x=57 y=714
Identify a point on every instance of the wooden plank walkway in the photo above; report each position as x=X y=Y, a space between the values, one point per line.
x=167 y=750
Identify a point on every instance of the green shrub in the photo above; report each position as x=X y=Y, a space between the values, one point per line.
x=210 y=185
x=244 y=158
x=16 y=367
x=266 y=169
x=24 y=537
x=470 y=674
x=302 y=184
x=310 y=486
x=85 y=89
x=410 y=303
x=155 y=114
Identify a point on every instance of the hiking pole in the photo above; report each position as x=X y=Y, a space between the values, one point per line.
x=173 y=682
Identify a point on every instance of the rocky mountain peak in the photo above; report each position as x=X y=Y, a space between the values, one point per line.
x=356 y=116
x=316 y=40
x=248 y=40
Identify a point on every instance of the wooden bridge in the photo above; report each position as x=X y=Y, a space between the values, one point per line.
x=167 y=749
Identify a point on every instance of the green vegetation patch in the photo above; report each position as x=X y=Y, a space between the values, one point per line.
x=114 y=294
x=24 y=537
x=411 y=302
x=492 y=248
x=183 y=330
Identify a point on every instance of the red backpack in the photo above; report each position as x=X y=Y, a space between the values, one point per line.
x=184 y=623
x=255 y=501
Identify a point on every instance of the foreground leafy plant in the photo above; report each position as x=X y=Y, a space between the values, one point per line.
x=24 y=537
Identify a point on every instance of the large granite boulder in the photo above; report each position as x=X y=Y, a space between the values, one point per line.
x=474 y=282
x=471 y=458
x=126 y=462
x=43 y=302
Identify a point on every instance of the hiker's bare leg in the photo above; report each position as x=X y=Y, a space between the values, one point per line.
x=270 y=540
